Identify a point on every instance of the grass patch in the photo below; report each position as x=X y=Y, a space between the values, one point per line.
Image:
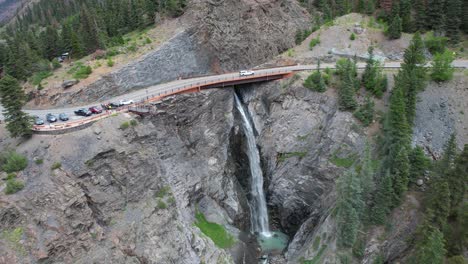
x=283 y=156
x=37 y=78
x=345 y=162
x=80 y=71
x=124 y=125
x=13 y=186
x=161 y=204
x=39 y=161
x=13 y=162
x=352 y=37
x=133 y=122
x=314 y=42
x=89 y=163
x=13 y=238
x=163 y=191
x=216 y=232
x=56 y=165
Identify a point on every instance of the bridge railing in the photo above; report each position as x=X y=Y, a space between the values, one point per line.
x=153 y=97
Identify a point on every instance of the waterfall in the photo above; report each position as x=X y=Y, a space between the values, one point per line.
x=259 y=214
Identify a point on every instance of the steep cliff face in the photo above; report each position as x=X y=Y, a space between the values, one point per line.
x=300 y=134
x=130 y=196
x=216 y=36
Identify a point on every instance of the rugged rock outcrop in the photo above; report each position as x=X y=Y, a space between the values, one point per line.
x=129 y=196
x=219 y=36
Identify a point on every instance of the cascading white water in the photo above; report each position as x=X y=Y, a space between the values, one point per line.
x=259 y=214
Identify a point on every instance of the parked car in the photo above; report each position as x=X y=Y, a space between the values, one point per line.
x=63 y=117
x=38 y=121
x=83 y=112
x=114 y=105
x=126 y=102
x=51 y=118
x=95 y=109
x=246 y=73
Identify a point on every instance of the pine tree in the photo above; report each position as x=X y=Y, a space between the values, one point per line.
x=89 y=30
x=350 y=206
x=405 y=14
x=347 y=88
x=372 y=78
x=457 y=179
x=383 y=199
x=365 y=113
x=435 y=16
x=13 y=99
x=430 y=246
x=395 y=27
x=453 y=18
x=398 y=130
x=400 y=175
x=77 y=50
x=50 y=43
x=419 y=163
x=439 y=202
x=66 y=37
x=420 y=15
x=412 y=75
x=464 y=25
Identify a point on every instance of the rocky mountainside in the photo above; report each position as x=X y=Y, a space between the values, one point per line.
x=104 y=203
x=218 y=36
x=8 y=9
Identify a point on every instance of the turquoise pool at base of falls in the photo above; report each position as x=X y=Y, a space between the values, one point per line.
x=275 y=243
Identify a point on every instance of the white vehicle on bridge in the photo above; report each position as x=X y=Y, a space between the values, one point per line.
x=246 y=73
x=126 y=102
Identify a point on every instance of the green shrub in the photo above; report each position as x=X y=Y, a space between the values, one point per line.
x=83 y=72
x=352 y=37
x=163 y=191
x=314 y=42
x=216 y=232
x=365 y=113
x=56 y=165
x=315 y=82
x=132 y=47
x=435 y=44
x=39 y=76
x=283 y=156
x=147 y=40
x=111 y=53
x=56 y=64
x=11 y=175
x=13 y=186
x=110 y=62
x=359 y=248
x=39 y=161
x=442 y=69
x=162 y=204
x=133 y=122
x=14 y=162
x=345 y=162
x=124 y=125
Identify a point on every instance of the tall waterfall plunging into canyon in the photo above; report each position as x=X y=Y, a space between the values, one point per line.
x=259 y=214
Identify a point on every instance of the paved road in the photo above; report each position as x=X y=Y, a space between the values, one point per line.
x=179 y=84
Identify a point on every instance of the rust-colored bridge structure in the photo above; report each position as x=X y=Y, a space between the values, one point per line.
x=142 y=100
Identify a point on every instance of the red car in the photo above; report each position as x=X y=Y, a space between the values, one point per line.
x=95 y=110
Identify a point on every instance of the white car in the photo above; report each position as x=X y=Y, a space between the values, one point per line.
x=246 y=73
x=126 y=102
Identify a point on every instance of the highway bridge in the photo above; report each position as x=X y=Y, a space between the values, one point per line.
x=157 y=92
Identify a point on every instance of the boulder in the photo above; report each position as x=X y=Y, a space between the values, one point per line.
x=69 y=83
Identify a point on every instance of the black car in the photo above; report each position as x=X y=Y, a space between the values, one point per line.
x=83 y=112
x=63 y=117
x=51 y=118
x=115 y=105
